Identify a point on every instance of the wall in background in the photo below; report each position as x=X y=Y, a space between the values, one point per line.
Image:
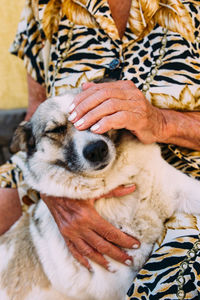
x=13 y=87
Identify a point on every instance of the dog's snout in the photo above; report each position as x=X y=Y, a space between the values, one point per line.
x=96 y=152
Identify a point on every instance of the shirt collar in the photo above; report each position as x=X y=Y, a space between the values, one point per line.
x=137 y=21
x=100 y=10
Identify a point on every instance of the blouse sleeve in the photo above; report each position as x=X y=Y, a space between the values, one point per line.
x=28 y=43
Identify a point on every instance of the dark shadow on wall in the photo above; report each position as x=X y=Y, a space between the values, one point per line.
x=9 y=120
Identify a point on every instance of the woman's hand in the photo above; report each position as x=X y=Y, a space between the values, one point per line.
x=116 y=105
x=86 y=233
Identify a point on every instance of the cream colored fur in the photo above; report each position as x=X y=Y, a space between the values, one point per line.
x=34 y=250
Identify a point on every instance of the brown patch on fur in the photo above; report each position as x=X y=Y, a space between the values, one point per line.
x=58 y=133
x=18 y=139
x=24 y=269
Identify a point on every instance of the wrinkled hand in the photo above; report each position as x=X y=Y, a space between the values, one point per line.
x=86 y=233
x=117 y=105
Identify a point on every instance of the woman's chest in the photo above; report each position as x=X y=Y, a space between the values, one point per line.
x=163 y=65
x=120 y=11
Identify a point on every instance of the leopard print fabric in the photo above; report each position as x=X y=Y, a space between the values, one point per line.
x=67 y=42
x=164 y=63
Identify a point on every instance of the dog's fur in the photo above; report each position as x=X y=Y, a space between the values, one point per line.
x=34 y=260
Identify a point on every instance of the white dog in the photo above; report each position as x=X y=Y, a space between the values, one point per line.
x=35 y=263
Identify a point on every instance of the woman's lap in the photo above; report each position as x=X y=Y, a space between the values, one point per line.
x=164 y=275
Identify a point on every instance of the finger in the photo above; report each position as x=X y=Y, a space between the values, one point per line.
x=87 y=85
x=92 y=88
x=94 y=99
x=100 y=226
x=117 y=192
x=118 y=120
x=121 y=191
x=90 y=244
x=88 y=251
x=82 y=96
x=106 y=108
x=79 y=248
x=112 y=234
x=107 y=248
x=81 y=259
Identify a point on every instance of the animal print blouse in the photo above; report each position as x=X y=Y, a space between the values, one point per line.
x=66 y=42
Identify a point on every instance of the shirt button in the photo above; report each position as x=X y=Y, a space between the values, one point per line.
x=114 y=63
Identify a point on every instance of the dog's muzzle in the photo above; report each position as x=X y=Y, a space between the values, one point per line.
x=96 y=152
x=87 y=152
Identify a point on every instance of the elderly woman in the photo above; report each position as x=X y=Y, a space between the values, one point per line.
x=152 y=50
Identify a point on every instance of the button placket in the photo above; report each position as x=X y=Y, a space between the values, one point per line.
x=157 y=64
x=191 y=254
x=114 y=64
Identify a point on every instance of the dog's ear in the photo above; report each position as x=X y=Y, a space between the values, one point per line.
x=23 y=139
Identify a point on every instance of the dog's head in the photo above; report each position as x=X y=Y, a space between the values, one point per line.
x=51 y=138
x=60 y=158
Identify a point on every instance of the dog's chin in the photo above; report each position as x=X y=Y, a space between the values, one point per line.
x=99 y=168
x=93 y=171
x=89 y=170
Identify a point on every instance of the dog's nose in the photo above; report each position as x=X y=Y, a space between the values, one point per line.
x=96 y=152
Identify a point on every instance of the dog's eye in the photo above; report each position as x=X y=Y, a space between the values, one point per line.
x=57 y=130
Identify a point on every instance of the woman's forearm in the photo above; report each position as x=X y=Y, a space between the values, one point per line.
x=36 y=95
x=181 y=128
x=10 y=208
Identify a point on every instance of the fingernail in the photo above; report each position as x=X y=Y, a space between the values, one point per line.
x=91 y=270
x=95 y=127
x=79 y=122
x=135 y=246
x=72 y=116
x=71 y=107
x=128 y=262
x=111 y=269
x=129 y=185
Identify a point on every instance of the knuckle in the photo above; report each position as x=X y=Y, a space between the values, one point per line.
x=106 y=92
x=122 y=118
x=86 y=251
x=111 y=236
x=102 y=248
x=70 y=229
x=90 y=116
x=130 y=83
x=83 y=107
x=94 y=86
x=84 y=215
x=82 y=210
x=111 y=104
x=104 y=121
x=64 y=231
x=123 y=114
x=100 y=94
